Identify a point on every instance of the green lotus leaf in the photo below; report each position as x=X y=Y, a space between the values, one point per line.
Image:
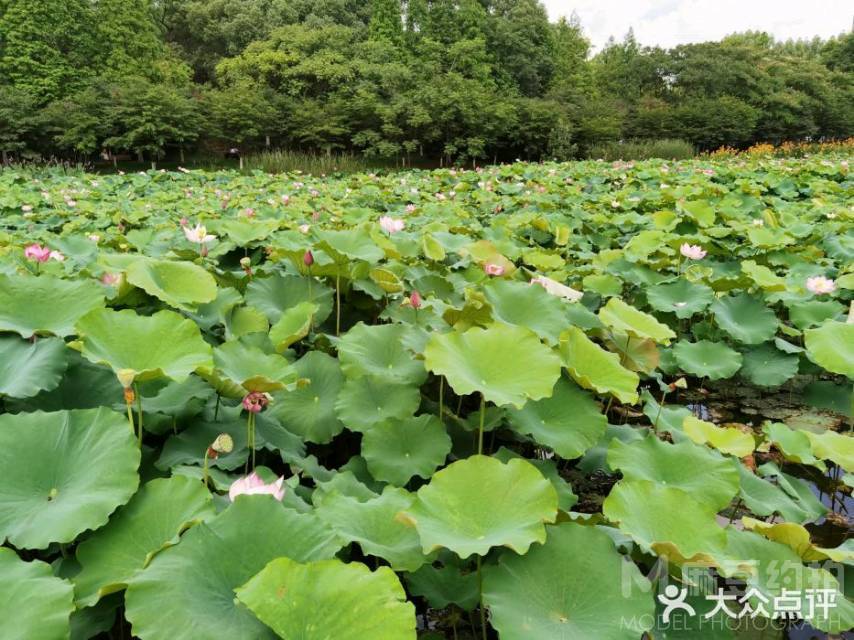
x=594 y=368
x=767 y=366
x=64 y=472
x=813 y=313
x=465 y=507
x=771 y=567
x=507 y=364
x=705 y=359
x=745 y=318
x=368 y=401
x=181 y=285
x=276 y=294
x=764 y=499
x=136 y=347
x=763 y=276
x=350 y=244
x=242 y=321
x=309 y=410
x=379 y=351
x=239 y=369
x=559 y=592
x=397 y=450
x=682 y=297
x=152 y=520
x=833 y=446
x=623 y=317
x=794 y=445
x=797 y=538
x=31 y=305
x=729 y=441
x=329 y=599
x=529 y=306
x=566 y=499
x=700 y=211
x=192 y=583
x=667 y=520
x=707 y=476
x=245 y=232
x=26 y=368
x=446 y=585
x=604 y=284
x=569 y=422
x=293 y=325
x=33 y=603
x=832 y=346
x=374 y=526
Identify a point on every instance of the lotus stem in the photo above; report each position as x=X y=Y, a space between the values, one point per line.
x=480 y=430
x=130 y=416
x=138 y=412
x=216 y=408
x=660 y=407
x=250 y=437
x=735 y=510
x=337 y=304
x=480 y=597
x=205 y=468
x=442 y=399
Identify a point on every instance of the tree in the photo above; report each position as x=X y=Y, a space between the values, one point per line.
x=47 y=47
x=386 y=22
x=149 y=117
x=17 y=120
x=240 y=114
x=128 y=36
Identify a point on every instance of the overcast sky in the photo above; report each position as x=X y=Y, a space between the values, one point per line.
x=671 y=22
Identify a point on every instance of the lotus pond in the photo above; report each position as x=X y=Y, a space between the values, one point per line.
x=529 y=402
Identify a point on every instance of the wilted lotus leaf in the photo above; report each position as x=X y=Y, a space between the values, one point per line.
x=192 y=583
x=465 y=507
x=570 y=588
x=139 y=348
x=30 y=305
x=64 y=472
x=507 y=364
x=330 y=599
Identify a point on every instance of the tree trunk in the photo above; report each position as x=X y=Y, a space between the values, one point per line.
x=267 y=141
x=241 y=162
x=139 y=156
x=153 y=165
x=5 y=157
x=181 y=151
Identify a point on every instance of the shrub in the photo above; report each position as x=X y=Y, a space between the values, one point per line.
x=670 y=149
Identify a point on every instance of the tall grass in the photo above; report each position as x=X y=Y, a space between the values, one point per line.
x=283 y=161
x=667 y=148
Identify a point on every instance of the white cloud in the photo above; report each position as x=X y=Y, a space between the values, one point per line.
x=670 y=22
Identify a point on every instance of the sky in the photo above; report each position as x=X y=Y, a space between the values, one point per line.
x=670 y=22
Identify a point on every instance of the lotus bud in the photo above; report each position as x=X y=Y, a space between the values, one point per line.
x=246 y=264
x=308 y=258
x=415 y=300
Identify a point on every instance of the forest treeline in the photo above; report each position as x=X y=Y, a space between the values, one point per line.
x=463 y=80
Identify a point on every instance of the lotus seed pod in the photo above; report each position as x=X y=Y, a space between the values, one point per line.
x=223 y=443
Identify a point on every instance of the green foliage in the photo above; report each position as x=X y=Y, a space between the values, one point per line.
x=517 y=443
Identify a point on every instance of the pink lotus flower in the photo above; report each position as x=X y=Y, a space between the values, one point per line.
x=819 y=285
x=286 y=199
x=37 y=253
x=198 y=234
x=391 y=225
x=111 y=279
x=184 y=222
x=248 y=212
x=692 y=251
x=308 y=258
x=415 y=300
x=410 y=208
x=493 y=269
x=253 y=485
x=255 y=402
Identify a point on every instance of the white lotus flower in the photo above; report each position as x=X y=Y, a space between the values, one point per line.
x=819 y=285
x=557 y=289
x=198 y=234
